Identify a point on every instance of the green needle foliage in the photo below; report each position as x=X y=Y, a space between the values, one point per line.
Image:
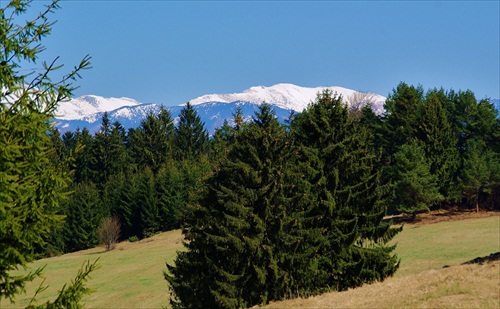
x=234 y=234
x=415 y=187
x=191 y=137
x=346 y=220
x=31 y=184
x=70 y=295
x=286 y=214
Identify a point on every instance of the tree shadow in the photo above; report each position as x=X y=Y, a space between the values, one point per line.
x=481 y=260
x=98 y=252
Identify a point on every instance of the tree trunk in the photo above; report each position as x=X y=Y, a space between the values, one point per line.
x=477 y=200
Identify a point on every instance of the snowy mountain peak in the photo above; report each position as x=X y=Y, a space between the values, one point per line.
x=86 y=105
x=288 y=96
x=86 y=111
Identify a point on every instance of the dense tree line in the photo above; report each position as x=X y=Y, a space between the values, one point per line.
x=145 y=177
x=441 y=148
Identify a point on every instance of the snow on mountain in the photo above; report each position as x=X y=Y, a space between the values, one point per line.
x=212 y=114
x=288 y=96
x=85 y=106
x=213 y=109
x=128 y=116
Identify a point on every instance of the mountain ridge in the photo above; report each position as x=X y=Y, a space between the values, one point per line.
x=86 y=111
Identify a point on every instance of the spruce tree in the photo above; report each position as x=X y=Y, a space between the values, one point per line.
x=190 y=135
x=170 y=189
x=84 y=212
x=112 y=195
x=235 y=234
x=147 y=201
x=416 y=189
x=436 y=137
x=402 y=116
x=152 y=143
x=481 y=172
x=101 y=150
x=226 y=135
x=118 y=152
x=85 y=158
x=31 y=186
x=346 y=222
x=128 y=210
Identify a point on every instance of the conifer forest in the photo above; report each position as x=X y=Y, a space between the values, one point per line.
x=268 y=210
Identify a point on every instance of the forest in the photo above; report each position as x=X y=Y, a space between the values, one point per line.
x=268 y=210
x=433 y=149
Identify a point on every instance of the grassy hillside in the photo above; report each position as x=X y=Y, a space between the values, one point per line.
x=432 y=246
x=464 y=286
x=421 y=281
x=131 y=275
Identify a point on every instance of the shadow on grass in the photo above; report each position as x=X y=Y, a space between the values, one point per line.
x=98 y=252
x=481 y=260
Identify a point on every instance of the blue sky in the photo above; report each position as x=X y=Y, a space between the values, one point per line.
x=169 y=51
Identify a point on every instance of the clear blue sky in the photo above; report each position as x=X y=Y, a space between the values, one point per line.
x=169 y=51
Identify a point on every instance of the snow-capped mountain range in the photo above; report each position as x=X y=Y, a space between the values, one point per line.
x=87 y=111
x=287 y=96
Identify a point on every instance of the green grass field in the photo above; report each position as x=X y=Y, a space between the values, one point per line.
x=131 y=275
x=432 y=246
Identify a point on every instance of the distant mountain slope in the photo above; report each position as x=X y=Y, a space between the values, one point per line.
x=85 y=106
x=212 y=114
x=87 y=111
x=288 y=96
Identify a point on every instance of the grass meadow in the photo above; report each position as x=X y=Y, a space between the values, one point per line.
x=131 y=276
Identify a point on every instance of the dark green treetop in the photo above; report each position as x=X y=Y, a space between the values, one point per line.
x=191 y=136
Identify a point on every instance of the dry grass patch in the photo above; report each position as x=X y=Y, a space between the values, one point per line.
x=464 y=286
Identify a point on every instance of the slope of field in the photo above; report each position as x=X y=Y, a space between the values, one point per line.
x=421 y=281
x=464 y=286
x=131 y=275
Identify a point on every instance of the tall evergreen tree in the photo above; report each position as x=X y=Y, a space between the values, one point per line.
x=234 y=230
x=101 y=150
x=128 y=210
x=31 y=186
x=85 y=159
x=415 y=187
x=474 y=123
x=147 y=200
x=152 y=142
x=84 y=212
x=226 y=135
x=58 y=154
x=402 y=115
x=191 y=137
x=350 y=234
x=117 y=149
x=439 y=143
x=481 y=172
